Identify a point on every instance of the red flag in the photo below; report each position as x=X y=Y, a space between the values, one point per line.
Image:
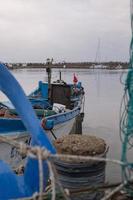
x=75 y=80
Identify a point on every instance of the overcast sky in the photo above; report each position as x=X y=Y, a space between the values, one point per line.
x=32 y=30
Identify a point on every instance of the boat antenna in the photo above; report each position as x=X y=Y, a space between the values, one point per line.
x=49 y=72
x=60 y=75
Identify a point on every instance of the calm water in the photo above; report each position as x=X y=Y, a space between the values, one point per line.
x=103 y=95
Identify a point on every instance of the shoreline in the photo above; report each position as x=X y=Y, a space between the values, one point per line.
x=108 y=65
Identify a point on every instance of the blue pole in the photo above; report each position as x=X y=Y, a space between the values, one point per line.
x=30 y=181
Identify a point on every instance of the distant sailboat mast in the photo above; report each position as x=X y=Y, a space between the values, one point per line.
x=97 y=60
x=97 y=57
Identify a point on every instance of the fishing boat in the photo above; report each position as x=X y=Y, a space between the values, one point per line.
x=56 y=109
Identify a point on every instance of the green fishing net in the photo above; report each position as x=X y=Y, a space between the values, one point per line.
x=126 y=119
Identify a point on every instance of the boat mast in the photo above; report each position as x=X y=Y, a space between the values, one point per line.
x=60 y=75
x=49 y=72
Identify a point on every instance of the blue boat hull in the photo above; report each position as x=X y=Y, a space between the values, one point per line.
x=8 y=125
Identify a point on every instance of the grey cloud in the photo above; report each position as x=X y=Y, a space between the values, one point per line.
x=33 y=30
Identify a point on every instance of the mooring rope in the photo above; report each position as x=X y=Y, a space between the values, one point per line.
x=25 y=149
x=53 y=182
